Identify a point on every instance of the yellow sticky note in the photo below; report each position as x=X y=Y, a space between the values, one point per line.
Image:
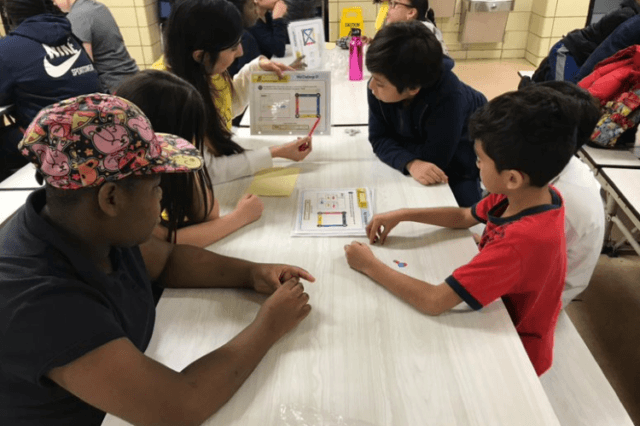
x=275 y=182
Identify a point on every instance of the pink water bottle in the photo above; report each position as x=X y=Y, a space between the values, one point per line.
x=355 y=55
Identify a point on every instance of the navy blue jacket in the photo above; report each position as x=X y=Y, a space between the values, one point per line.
x=627 y=34
x=271 y=35
x=41 y=63
x=250 y=50
x=433 y=128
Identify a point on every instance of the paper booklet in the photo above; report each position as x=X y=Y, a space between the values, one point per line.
x=333 y=212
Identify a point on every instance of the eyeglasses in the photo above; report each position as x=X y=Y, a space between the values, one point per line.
x=393 y=4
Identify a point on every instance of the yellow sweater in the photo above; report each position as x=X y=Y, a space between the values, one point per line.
x=220 y=85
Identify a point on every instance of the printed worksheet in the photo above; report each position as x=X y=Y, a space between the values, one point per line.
x=333 y=212
x=291 y=105
x=307 y=39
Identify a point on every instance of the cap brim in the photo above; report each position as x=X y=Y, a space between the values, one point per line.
x=177 y=155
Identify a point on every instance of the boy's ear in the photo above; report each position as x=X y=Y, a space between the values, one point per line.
x=515 y=179
x=412 y=92
x=110 y=199
x=412 y=14
x=198 y=55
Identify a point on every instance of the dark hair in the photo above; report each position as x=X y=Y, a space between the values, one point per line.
x=174 y=106
x=407 y=54
x=212 y=26
x=587 y=107
x=531 y=131
x=16 y=11
x=425 y=13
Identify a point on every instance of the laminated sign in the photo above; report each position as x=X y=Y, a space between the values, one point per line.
x=351 y=18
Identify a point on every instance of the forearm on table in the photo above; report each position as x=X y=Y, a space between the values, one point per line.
x=217 y=376
x=425 y=297
x=206 y=233
x=447 y=217
x=193 y=267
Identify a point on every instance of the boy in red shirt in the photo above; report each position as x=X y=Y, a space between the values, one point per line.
x=522 y=140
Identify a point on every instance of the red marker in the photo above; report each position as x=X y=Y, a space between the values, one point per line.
x=305 y=146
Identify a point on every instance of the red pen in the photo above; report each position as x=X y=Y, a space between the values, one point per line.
x=303 y=147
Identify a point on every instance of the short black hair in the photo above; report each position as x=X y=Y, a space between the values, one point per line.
x=587 y=107
x=407 y=54
x=17 y=11
x=531 y=131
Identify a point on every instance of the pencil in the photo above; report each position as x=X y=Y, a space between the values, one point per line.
x=303 y=147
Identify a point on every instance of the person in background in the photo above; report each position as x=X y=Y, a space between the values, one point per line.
x=41 y=63
x=191 y=214
x=419 y=110
x=584 y=210
x=409 y=10
x=77 y=267
x=270 y=31
x=250 y=47
x=523 y=140
x=200 y=53
x=93 y=24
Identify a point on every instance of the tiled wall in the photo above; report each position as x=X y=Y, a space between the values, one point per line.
x=550 y=20
x=532 y=27
x=138 y=22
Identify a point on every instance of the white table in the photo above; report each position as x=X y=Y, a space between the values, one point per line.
x=596 y=158
x=349 y=105
x=24 y=178
x=14 y=191
x=621 y=193
x=362 y=357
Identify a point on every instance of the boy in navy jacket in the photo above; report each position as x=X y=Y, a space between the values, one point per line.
x=419 y=110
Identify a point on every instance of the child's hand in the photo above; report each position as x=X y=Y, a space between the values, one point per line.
x=276 y=67
x=281 y=312
x=359 y=256
x=380 y=225
x=296 y=150
x=279 y=9
x=249 y=208
x=267 y=277
x=426 y=173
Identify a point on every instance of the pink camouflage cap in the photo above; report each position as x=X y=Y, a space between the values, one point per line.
x=91 y=139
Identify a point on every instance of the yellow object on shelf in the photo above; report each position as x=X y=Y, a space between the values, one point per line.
x=351 y=18
x=382 y=15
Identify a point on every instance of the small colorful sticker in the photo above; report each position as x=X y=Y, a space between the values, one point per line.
x=400 y=264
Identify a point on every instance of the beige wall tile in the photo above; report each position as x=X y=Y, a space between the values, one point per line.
x=450 y=24
x=450 y=38
x=458 y=55
x=572 y=8
x=523 y=5
x=369 y=28
x=149 y=35
x=515 y=40
x=544 y=7
x=117 y=3
x=535 y=60
x=151 y=53
x=538 y=46
x=518 y=21
x=333 y=12
x=484 y=54
x=511 y=54
x=562 y=26
x=540 y=25
x=131 y=36
x=444 y=8
x=147 y=15
x=136 y=53
x=333 y=31
x=368 y=9
x=124 y=16
x=484 y=46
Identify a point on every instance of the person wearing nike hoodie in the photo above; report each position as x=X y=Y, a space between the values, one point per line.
x=419 y=110
x=41 y=62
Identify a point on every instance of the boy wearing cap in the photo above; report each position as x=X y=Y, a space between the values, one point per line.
x=76 y=303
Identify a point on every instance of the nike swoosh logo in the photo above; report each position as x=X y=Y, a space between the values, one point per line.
x=56 y=71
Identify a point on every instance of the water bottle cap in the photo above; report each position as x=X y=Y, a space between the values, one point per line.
x=355 y=32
